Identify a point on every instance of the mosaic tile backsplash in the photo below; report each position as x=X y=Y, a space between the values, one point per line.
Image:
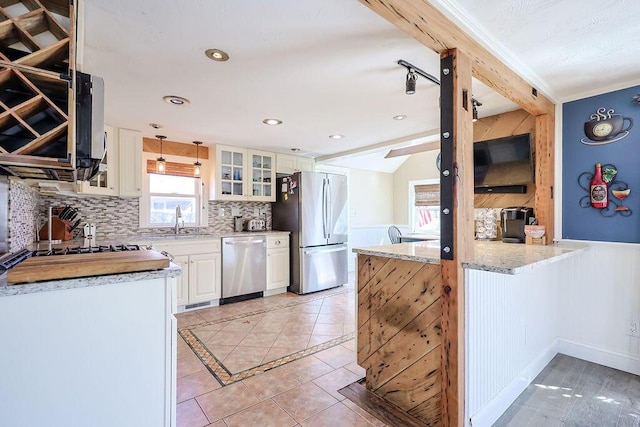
x=115 y=216
x=23 y=209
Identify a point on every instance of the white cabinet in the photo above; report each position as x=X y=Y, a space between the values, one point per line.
x=230 y=174
x=130 y=158
x=288 y=164
x=277 y=262
x=204 y=277
x=261 y=176
x=105 y=182
x=182 y=287
x=201 y=263
x=243 y=175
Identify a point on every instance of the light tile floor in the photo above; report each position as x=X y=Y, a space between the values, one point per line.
x=299 y=393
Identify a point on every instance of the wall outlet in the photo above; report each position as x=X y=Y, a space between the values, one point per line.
x=221 y=212
x=235 y=211
x=633 y=327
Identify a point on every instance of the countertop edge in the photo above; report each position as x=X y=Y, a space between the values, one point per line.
x=84 y=282
x=373 y=252
x=557 y=253
x=569 y=252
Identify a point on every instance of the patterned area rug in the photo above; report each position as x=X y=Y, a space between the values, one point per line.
x=239 y=346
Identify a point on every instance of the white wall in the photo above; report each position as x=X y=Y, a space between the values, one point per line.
x=418 y=166
x=371 y=203
x=371 y=198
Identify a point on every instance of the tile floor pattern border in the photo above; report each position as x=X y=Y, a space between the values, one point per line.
x=223 y=375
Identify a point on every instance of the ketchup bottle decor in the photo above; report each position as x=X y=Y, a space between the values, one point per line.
x=599 y=190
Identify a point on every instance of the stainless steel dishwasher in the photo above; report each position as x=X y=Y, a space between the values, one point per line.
x=244 y=267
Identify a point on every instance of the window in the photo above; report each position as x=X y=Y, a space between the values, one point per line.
x=424 y=206
x=166 y=192
x=162 y=193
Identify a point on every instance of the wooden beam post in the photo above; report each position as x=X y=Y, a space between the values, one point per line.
x=456 y=193
x=433 y=29
x=545 y=148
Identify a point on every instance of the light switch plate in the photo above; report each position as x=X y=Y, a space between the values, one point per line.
x=221 y=212
x=235 y=211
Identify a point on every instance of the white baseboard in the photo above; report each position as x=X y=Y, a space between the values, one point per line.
x=490 y=413
x=623 y=362
x=277 y=291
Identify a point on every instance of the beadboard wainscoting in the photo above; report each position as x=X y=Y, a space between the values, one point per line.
x=511 y=323
x=599 y=294
x=373 y=235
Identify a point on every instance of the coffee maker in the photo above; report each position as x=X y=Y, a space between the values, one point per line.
x=513 y=221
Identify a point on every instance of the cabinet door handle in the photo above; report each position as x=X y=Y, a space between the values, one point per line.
x=277 y=242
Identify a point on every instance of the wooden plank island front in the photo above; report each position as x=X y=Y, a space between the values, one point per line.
x=399 y=324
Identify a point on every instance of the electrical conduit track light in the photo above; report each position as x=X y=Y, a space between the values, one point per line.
x=160 y=161
x=197 y=164
x=475 y=104
x=410 y=85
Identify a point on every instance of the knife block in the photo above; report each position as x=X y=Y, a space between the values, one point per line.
x=59 y=230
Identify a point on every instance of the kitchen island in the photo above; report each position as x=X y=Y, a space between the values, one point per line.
x=96 y=351
x=510 y=290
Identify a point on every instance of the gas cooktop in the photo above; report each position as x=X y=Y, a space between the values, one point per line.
x=10 y=260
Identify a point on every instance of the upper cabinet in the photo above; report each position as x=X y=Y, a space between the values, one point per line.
x=262 y=176
x=287 y=164
x=37 y=107
x=243 y=175
x=130 y=162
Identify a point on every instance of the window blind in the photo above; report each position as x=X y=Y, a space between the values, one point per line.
x=427 y=195
x=172 y=168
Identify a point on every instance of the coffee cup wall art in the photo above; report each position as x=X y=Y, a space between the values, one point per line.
x=605 y=127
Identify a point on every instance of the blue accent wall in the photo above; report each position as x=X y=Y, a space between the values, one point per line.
x=588 y=223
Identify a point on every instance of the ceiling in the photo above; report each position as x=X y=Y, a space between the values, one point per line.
x=328 y=66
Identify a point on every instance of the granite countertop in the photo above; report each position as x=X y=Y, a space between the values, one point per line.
x=83 y=282
x=494 y=256
x=196 y=236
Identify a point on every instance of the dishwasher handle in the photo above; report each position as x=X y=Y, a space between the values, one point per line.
x=243 y=242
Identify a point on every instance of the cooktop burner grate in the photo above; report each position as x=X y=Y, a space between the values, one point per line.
x=86 y=250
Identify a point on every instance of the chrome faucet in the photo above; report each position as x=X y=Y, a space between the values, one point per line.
x=176 y=228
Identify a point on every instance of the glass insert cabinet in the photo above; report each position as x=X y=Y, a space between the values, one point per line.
x=243 y=174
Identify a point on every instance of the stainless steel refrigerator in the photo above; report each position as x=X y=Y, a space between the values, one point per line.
x=313 y=207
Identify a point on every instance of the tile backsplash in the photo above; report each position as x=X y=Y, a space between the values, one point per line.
x=113 y=216
x=23 y=210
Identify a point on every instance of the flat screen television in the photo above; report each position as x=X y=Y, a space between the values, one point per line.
x=503 y=164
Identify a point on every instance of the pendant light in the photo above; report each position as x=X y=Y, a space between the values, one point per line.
x=160 y=161
x=197 y=164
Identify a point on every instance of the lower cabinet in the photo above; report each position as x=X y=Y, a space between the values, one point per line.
x=277 y=262
x=201 y=264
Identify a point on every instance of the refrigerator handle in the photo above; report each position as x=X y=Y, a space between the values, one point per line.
x=324 y=208
x=329 y=215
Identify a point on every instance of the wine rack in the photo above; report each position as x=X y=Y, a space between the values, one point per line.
x=37 y=105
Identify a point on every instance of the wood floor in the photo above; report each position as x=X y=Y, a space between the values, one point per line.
x=573 y=392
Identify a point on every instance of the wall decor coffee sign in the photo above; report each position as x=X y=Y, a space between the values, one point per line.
x=600 y=167
x=605 y=127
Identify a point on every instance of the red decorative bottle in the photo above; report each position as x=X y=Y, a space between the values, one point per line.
x=599 y=190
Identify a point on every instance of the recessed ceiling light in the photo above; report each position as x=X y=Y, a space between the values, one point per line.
x=155 y=125
x=336 y=136
x=217 y=55
x=399 y=117
x=176 y=100
x=272 y=122
x=295 y=150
